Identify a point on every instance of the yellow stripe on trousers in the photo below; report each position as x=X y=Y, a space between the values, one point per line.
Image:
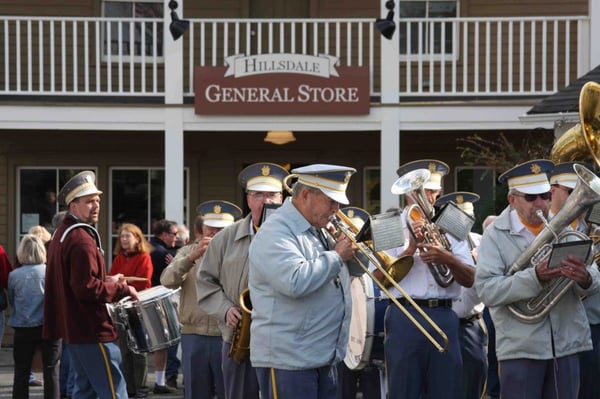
x=273 y=384
x=108 y=372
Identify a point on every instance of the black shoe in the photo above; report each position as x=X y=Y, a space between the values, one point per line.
x=139 y=394
x=164 y=389
x=172 y=381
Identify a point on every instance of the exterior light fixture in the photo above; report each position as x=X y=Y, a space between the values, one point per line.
x=279 y=137
x=177 y=26
x=386 y=26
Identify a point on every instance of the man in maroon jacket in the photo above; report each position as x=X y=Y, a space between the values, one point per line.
x=77 y=290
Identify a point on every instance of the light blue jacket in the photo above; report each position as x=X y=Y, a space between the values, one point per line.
x=300 y=294
x=566 y=325
x=26 y=295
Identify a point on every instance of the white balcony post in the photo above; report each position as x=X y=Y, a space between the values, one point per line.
x=173 y=56
x=390 y=128
x=594 y=26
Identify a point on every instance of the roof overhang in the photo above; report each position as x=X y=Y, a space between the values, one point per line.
x=550 y=120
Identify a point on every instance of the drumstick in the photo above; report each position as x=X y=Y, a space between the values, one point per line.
x=134 y=278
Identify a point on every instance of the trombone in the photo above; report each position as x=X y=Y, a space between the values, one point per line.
x=343 y=225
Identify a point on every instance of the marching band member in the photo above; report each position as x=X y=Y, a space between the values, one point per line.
x=563 y=180
x=414 y=366
x=300 y=289
x=77 y=290
x=201 y=342
x=537 y=358
x=223 y=273
x=468 y=307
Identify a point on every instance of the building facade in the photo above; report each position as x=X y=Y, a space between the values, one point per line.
x=103 y=85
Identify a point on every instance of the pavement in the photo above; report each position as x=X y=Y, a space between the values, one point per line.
x=6 y=379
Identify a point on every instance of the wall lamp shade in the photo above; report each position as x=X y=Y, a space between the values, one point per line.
x=386 y=26
x=280 y=137
x=177 y=26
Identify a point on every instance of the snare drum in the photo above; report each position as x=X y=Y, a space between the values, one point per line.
x=365 y=344
x=152 y=322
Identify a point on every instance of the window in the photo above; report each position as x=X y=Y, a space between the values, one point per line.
x=137 y=195
x=143 y=38
x=38 y=190
x=425 y=37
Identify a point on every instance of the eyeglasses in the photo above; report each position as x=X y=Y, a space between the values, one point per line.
x=532 y=197
x=567 y=189
x=259 y=195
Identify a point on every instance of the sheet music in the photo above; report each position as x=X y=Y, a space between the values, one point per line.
x=387 y=231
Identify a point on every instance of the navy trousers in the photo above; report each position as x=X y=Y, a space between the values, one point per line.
x=540 y=379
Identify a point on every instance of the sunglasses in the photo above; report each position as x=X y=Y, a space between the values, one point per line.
x=532 y=197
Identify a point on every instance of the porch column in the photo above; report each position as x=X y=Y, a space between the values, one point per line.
x=594 y=13
x=173 y=55
x=390 y=121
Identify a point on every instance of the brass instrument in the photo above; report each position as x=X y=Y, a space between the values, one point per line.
x=343 y=225
x=397 y=268
x=582 y=141
x=585 y=193
x=240 y=340
x=411 y=185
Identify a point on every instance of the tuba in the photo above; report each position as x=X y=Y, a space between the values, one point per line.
x=240 y=340
x=578 y=143
x=411 y=185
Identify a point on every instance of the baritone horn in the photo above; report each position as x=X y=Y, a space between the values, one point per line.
x=411 y=185
x=343 y=226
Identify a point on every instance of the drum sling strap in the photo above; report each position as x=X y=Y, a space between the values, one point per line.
x=90 y=229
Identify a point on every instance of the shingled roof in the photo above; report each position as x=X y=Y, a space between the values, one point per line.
x=567 y=99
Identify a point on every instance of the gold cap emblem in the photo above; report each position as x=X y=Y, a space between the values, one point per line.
x=217 y=209
x=459 y=199
x=535 y=168
x=347 y=177
x=266 y=171
x=351 y=213
x=432 y=167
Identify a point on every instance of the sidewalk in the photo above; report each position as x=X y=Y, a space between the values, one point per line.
x=6 y=379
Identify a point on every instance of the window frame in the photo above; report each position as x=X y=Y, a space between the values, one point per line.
x=155 y=24
x=426 y=55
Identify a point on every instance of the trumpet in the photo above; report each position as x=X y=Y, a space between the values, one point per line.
x=343 y=226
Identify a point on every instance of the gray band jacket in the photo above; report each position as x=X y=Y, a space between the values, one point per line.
x=300 y=293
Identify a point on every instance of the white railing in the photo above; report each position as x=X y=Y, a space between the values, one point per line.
x=464 y=57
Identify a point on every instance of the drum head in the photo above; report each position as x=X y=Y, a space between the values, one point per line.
x=359 y=341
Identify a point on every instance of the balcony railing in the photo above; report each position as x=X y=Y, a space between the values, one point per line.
x=464 y=57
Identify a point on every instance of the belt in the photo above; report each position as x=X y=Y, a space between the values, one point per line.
x=429 y=303
x=470 y=319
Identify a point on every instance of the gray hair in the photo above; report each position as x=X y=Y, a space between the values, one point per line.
x=31 y=250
